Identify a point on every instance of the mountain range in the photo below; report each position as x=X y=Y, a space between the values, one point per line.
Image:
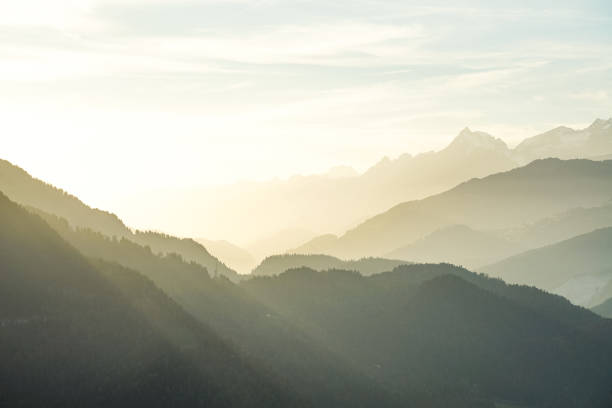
x=177 y=327
x=28 y=191
x=579 y=268
x=334 y=202
x=503 y=201
x=419 y=335
x=475 y=337
x=277 y=264
x=76 y=331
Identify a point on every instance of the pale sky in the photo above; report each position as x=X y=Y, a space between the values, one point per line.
x=104 y=97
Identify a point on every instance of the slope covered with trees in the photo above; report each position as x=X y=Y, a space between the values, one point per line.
x=313 y=372
x=73 y=332
x=443 y=332
x=22 y=188
x=277 y=264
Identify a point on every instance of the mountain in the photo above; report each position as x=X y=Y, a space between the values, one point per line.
x=421 y=335
x=457 y=244
x=321 y=202
x=22 y=188
x=501 y=201
x=231 y=255
x=566 y=143
x=462 y=245
x=449 y=337
x=604 y=309
x=277 y=264
x=254 y=329
x=76 y=332
x=578 y=268
x=333 y=202
x=468 y=142
x=561 y=226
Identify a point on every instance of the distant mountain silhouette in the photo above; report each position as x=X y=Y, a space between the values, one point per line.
x=501 y=201
x=76 y=332
x=278 y=264
x=231 y=255
x=462 y=245
x=469 y=339
x=459 y=245
x=561 y=226
x=579 y=268
x=337 y=201
x=22 y=188
x=567 y=143
x=604 y=309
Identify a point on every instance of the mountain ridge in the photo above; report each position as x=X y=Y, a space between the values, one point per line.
x=502 y=200
x=296 y=203
x=21 y=187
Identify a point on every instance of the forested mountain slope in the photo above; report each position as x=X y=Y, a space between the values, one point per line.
x=277 y=264
x=442 y=331
x=22 y=188
x=77 y=333
x=313 y=372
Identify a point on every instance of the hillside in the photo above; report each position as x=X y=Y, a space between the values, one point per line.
x=426 y=328
x=278 y=264
x=562 y=226
x=22 y=188
x=500 y=201
x=76 y=332
x=578 y=268
x=604 y=309
x=459 y=245
x=233 y=256
x=234 y=315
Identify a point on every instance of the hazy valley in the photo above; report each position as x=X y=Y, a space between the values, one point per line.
x=273 y=204
x=376 y=316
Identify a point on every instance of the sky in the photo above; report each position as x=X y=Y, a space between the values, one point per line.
x=105 y=98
